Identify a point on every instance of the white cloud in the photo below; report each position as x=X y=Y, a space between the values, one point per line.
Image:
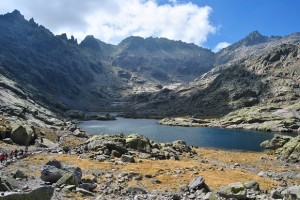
x=113 y=20
x=220 y=46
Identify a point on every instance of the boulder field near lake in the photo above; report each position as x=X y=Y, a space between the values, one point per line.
x=49 y=82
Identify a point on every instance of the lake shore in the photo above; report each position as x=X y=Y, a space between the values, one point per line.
x=231 y=139
x=160 y=178
x=122 y=166
x=232 y=123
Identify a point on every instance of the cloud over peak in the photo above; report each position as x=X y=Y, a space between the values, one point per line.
x=113 y=20
x=221 y=46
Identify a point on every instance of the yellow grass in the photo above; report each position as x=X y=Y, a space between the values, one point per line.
x=164 y=170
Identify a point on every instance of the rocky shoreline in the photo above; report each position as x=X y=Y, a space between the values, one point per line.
x=76 y=165
x=270 y=118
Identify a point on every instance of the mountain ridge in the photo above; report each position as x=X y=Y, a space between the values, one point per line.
x=138 y=73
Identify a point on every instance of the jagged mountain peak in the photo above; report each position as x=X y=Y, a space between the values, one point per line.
x=254 y=43
x=90 y=42
x=254 y=38
x=157 y=43
x=16 y=14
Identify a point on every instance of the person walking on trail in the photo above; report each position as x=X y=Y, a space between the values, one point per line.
x=15 y=153
x=1 y=157
x=42 y=140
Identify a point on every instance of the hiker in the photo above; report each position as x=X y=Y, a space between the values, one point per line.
x=16 y=153
x=1 y=157
x=5 y=156
x=26 y=149
x=42 y=140
x=21 y=152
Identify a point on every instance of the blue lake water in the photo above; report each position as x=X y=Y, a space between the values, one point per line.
x=195 y=136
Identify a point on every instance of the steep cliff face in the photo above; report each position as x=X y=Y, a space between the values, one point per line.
x=269 y=78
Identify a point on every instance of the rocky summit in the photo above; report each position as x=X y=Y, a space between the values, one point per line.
x=49 y=83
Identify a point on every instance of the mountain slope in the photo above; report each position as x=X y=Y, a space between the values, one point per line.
x=270 y=78
x=162 y=60
x=253 y=44
x=144 y=73
x=92 y=75
x=53 y=68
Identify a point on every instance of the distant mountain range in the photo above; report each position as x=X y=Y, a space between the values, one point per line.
x=91 y=75
x=152 y=76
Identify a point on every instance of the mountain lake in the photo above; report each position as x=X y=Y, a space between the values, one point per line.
x=219 y=138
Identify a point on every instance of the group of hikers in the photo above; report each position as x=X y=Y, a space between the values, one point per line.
x=4 y=156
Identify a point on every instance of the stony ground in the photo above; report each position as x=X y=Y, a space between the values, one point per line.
x=217 y=167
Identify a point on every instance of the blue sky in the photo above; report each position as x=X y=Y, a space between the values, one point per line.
x=207 y=23
x=237 y=18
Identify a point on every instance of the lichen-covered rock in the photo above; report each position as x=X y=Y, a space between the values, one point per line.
x=51 y=174
x=67 y=179
x=23 y=135
x=291 y=150
x=293 y=192
x=138 y=142
x=43 y=192
x=276 y=142
x=252 y=185
x=116 y=145
x=54 y=170
x=127 y=158
x=7 y=183
x=109 y=142
x=235 y=190
x=287 y=148
x=5 y=131
x=198 y=183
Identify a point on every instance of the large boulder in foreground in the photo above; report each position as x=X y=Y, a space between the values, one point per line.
x=235 y=191
x=7 y=183
x=43 y=192
x=54 y=171
x=293 y=192
x=23 y=135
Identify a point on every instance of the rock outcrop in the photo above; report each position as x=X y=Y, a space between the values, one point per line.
x=53 y=171
x=107 y=146
x=44 y=192
x=234 y=191
x=23 y=135
x=286 y=148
